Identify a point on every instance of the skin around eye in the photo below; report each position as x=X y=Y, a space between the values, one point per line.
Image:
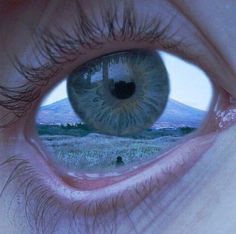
x=146 y=203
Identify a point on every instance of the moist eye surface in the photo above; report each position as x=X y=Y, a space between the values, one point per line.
x=92 y=123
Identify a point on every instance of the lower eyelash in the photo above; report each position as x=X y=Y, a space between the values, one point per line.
x=40 y=204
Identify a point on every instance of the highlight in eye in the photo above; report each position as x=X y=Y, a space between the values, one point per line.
x=120 y=94
x=76 y=146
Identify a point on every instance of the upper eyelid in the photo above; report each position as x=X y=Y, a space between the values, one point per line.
x=56 y=49
x=59 y=46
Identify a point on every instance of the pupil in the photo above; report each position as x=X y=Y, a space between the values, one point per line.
x=123 y=90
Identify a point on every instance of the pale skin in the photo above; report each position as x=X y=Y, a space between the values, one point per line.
x=190 y=190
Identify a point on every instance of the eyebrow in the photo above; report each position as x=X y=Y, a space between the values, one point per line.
x=61 y=47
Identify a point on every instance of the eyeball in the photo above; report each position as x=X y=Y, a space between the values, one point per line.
x=117 y=112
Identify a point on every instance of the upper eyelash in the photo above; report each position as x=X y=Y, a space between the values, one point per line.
x=88 y=34
x=60 y=49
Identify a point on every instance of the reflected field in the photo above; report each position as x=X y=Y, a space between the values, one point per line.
x=79 y=148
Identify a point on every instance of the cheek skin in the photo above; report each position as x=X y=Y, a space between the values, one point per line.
x=210 y=206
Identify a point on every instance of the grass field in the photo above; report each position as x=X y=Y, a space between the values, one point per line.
x=78 y=147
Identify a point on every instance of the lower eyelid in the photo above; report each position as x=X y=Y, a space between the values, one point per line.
x=154 y=176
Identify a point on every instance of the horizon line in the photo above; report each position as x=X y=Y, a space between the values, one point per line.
x=167 y=103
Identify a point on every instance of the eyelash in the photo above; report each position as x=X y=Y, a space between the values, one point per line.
x=59 y=50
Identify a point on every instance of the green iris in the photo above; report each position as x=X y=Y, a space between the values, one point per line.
x=120 y=94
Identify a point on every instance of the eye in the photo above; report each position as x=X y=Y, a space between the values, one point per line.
x=78 y=157
x=93 y=124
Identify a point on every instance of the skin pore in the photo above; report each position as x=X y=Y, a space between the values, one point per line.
x=191 y=189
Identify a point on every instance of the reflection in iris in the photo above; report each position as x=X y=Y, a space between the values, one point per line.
x=120 y=94
x=73 y=144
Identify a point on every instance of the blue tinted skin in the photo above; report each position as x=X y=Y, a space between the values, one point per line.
x=191 y=190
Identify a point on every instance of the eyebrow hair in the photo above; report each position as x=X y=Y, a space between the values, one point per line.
x=60 y=47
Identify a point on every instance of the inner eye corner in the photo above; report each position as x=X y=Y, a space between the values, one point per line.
x=83 y=139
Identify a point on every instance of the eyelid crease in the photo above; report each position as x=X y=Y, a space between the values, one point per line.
x=64 y=48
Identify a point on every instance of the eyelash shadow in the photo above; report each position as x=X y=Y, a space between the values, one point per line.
x=61 y=48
